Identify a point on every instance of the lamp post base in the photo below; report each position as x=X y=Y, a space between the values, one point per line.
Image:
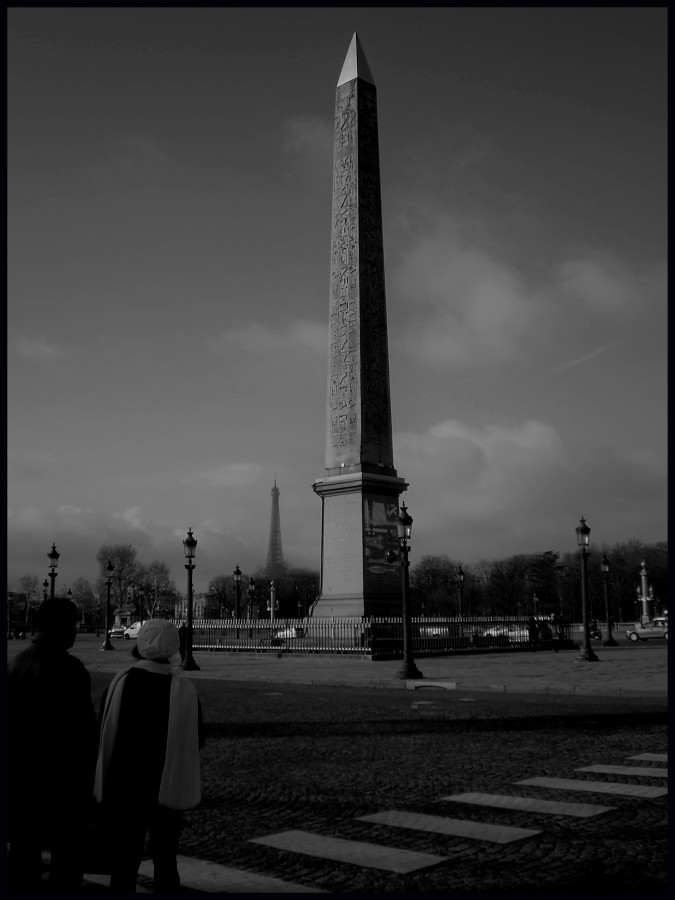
x=190 y=665
x=106 y=645
x=610 y=642
x=587 y=654
x=409 y=670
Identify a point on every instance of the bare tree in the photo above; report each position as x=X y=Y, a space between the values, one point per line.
x=123 y=558
x=28 y=585
x=158 y=586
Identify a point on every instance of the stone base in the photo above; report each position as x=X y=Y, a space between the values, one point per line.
x=358 y=528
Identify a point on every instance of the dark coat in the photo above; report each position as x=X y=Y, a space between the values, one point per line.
x=52 y=740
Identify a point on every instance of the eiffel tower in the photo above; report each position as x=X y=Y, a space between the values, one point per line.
x=275 y=554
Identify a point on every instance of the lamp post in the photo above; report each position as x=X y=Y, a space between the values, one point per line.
x=141 y=598
x=53 y=557
x=604 y=568
x=643 y=589
x=460 y=589
x=583 y=540
x=106 y=645
x=404 y=528
x=190 y=546
x=45 y=586
x=251 y=594
x=236 y=577
x=98 y=618
x=273 y=604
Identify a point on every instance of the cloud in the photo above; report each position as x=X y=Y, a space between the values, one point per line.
x=264 y=341
x=603 y=285
x=41 y=350
x=309 y=140
x=498 y=489
x=467 y=307
x=130 y=157
x=229 y=475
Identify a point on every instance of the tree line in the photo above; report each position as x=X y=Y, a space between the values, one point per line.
x=541 y=583
x=521 y=585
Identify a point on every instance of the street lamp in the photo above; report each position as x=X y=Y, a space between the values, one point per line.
x=189 y=545
x=53 y=557
x=141 y=598
x=584 y=540
x=604 y=568
x=460 y=588
x=273 y=603
x=106 y=645
x=236 y=577
x=98 y=618
x=404 y=528
x=250 y=592
x=644 y=590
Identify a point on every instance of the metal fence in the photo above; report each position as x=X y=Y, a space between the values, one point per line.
x=380 y=638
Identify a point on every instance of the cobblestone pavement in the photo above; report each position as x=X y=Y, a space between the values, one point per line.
x=315 y=759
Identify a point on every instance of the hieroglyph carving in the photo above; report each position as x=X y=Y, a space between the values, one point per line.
x=359 y=407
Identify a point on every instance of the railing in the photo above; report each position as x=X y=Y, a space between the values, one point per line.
x=380 y=638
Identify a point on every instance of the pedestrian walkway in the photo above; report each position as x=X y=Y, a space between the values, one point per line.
x=620 y=671
x=204 y=876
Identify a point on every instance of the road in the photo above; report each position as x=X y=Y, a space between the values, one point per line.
x=315 y=760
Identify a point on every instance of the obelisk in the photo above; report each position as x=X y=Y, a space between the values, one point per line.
x=360 y=488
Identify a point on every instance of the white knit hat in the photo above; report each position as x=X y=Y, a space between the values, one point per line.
x=158 y=639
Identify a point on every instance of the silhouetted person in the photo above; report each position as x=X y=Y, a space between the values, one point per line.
x=150 y=737
x=52 y=753
x=533 y=632
x=182 y=641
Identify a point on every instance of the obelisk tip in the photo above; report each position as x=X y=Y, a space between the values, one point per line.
x=355 y=64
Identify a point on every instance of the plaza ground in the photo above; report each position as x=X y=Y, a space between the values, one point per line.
x=307 y=768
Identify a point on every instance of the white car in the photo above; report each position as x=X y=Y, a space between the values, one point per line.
x=132 y=631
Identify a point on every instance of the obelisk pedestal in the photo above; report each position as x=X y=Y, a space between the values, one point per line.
x=360 y=489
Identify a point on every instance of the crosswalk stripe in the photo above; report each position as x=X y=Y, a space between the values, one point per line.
x=497 y=834
x=531 y=804
x=374 y=856
x=652 y=771
x=202 y=875
x=599 y=787
x=104 y=881
x=655 y=757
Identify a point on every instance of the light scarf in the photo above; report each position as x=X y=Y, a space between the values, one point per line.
x=180 y=787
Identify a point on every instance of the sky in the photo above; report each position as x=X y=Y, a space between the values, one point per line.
x=169 y=218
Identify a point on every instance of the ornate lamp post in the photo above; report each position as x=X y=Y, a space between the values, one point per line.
x=460 y=588
x=53 y=557
x=189 y=545
x=604 y=568
x=106 y=645
x=643 y=590
x=251 y=596
x=404 y=528
x=583 y=540
x=273 y=603
x=236 y=577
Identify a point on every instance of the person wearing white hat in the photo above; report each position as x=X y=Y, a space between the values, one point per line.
x=150 y=739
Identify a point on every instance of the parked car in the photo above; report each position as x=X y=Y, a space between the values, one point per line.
x=645 y=631
x=511 y=632
x=132 y=631
x=117 y=631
